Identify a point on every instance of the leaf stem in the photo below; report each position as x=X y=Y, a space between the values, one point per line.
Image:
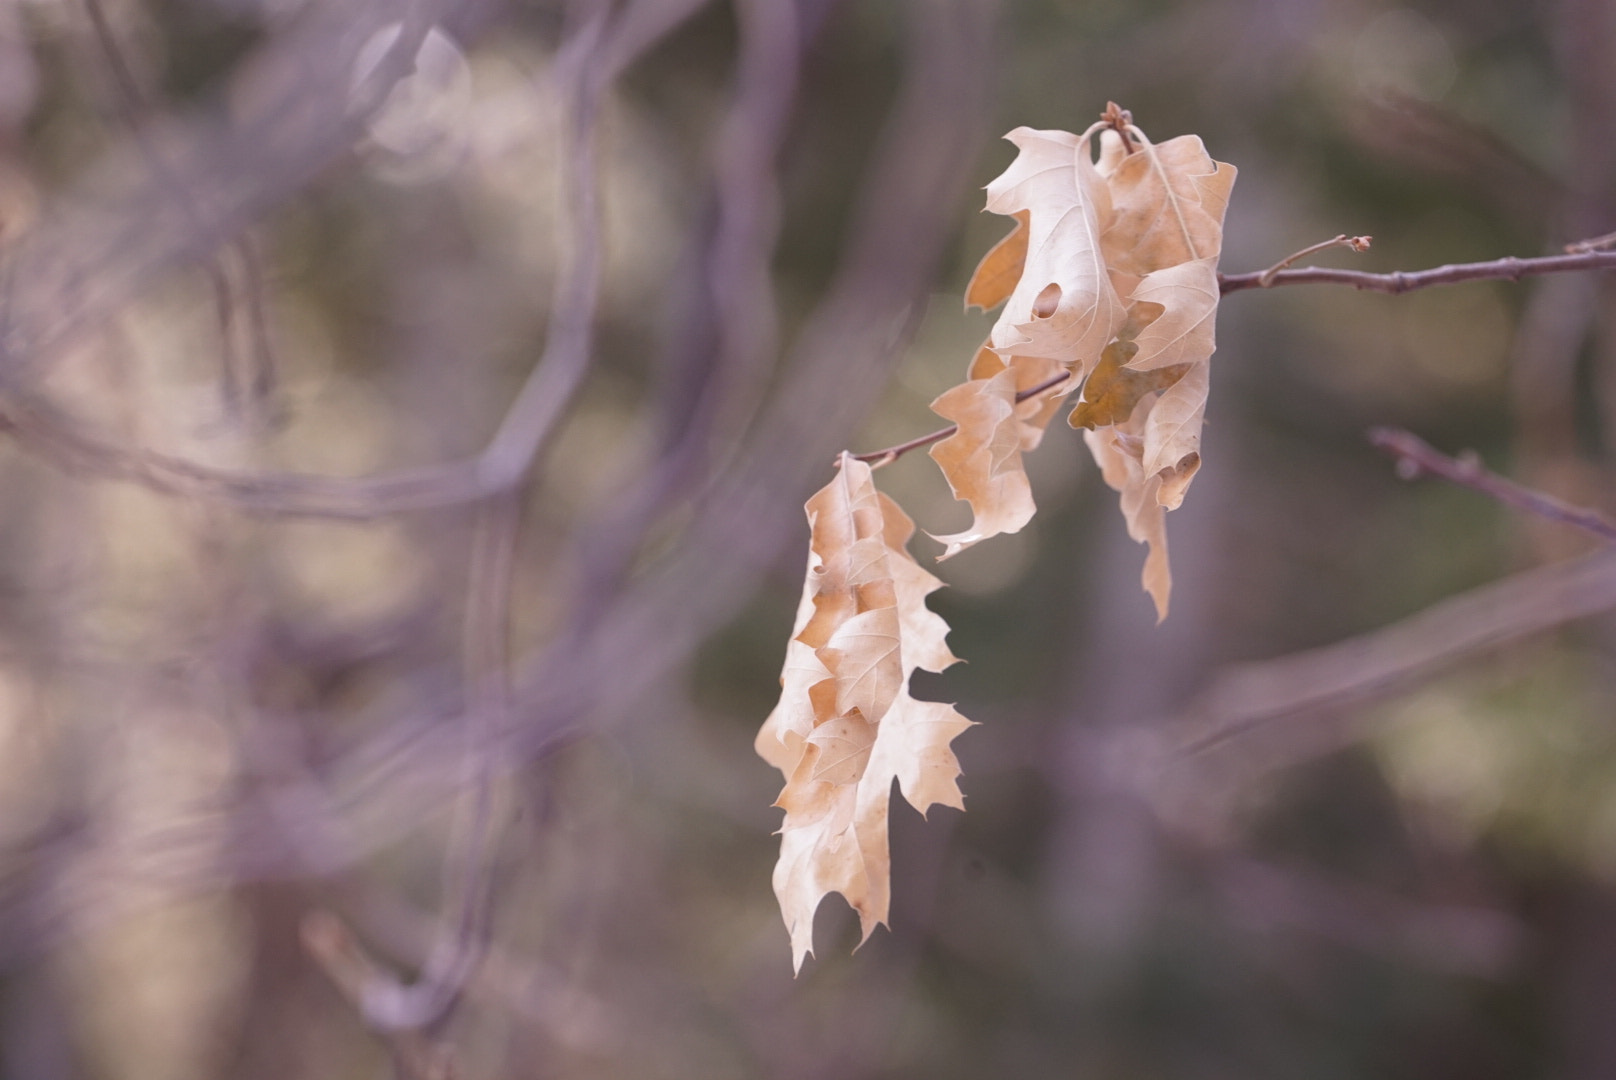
x=1356 y=243
x=1415 y=456
x=878 y=458
x=1593 y=243
x=1119 y=120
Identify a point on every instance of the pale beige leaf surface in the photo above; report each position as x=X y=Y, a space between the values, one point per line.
x=845 y=726
x=1167 y=206
x=1186 y=299
x=1063 y=307
x=862 y=654
x=1031 y=371
x=843 y=749
x=779 y=740
x=922 y=629
x=1117 y=451
x=916 y=751
x=1172 y=450
x=982 y=460
x=1161 y=248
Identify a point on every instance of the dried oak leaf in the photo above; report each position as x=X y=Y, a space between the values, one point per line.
x=1113 y=390
x=982 y=459
x=845 y=726
x=1118 y=449
x=1178 y=307
x=996 y=275
x=1145 y=410
x=1063 y=307
x=1167 y=203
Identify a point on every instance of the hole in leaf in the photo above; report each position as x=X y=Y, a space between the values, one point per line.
x=1047 y=301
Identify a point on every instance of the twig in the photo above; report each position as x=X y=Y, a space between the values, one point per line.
x=1593 y=243
x=329 y=941
x=387 y=1004
x=524 y=431
x=1245 y=697
x=1415 y=456
x=878 y=458
x=1356 y=243
x=1508 y=268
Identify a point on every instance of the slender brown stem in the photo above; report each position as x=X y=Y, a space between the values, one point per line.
x=1356 y=243
x=1415 y=456
x=1508 y=268
x=1120 y=120
x=878 y=458
x=1593 y=243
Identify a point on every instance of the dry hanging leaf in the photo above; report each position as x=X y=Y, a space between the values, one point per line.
x=1064 y=307
x=1172 y=450
x=1184 y=300
x=1117 y=264
x=996 y=275
x=1117 y=450
x=1161 y=248
x=1112 y=391
x=1034 y=413
x=1167 y=204
x=982 y=460
x=845 y=726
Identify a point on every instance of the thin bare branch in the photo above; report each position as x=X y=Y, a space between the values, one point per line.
x=1416 y=456
x=387 y=1004
x=1508 y=268
x=1246 y=697
x=504 y=463
x=878 y=458
x=1593 y=243
x=1356 y=243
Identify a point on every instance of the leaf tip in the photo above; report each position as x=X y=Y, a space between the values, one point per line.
x=1160 y=595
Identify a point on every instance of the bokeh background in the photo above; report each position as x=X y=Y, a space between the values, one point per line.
x=407 y=410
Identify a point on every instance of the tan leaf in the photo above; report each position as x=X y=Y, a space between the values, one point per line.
x=1161 y=247
x=982 y=460
x=1114 y=388
x=1141 y=511
x=1186 y=297
x=863 y=655
x=840 y=514
x=828 y=845
x=842 y=749
x=922 y=629
x=1168 y=203
x=1031 y=371
x=834 y=838
x=1063 y=307
x=914 y=748
x=845 y=726
x=780 y=739
x=996 y=275
x=1172 y=451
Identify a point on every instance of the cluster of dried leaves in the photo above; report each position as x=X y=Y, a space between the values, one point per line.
x=1109 y=284
x=1110 y=276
